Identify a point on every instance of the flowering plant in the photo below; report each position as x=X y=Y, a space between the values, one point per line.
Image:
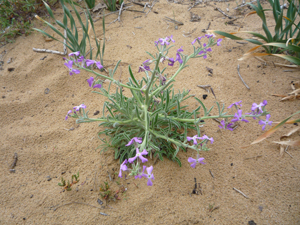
x=153 y=120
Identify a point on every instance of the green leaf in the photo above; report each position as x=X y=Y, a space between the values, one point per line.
x=204 y=108
x=132 y=77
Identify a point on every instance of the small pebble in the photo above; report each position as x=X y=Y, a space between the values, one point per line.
x=31 y=196
x=231 y=164
x=204 y=96
x=47 y=90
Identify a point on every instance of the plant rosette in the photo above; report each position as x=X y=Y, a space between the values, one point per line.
x=152 y=120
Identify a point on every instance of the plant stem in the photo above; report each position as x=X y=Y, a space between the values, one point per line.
x=111 y=79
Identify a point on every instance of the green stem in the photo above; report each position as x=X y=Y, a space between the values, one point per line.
x=111 y=79
x=89 y=120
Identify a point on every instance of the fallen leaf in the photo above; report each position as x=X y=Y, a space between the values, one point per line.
x=289 y=143
x=290 y=133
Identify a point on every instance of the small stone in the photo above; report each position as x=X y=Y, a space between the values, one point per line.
x=260 y=208
x=204 y=97
x=251 y=222
x=49 y=179
x=31 y=196
x=24 y=218
x=63 y=172
x=47 y=90
x=231 y=164
x=99 y=201
x=3 y=96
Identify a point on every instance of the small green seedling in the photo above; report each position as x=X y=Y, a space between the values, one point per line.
x=69 y=185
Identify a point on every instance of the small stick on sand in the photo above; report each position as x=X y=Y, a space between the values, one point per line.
x=244 y=4
x=287 y=152
x=218 y=9
x=52 y=51
x=14 y=163
x=120 y=11
x=241 y=193
x=211 y=174
x=195 y=4
x=238 y=69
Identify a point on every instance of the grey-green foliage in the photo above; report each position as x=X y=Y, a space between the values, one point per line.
x=154 y=112
x=69 y=25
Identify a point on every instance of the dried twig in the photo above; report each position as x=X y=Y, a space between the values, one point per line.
x=238 y=69
x=211 y=174
x=244 y=4
x=195 y=4
x=240 y=192
x=173 y=21
x=14 y=163
x=218 y=9
x=120 y=11
x=204 y=30
x=52 y=51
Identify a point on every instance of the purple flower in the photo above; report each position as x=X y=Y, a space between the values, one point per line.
x=75 y=53
x=123 y=167
x=204 y=51
x=195 y=161
x=141 y=174
x=198 y=38
x=178 y=58
x=180 y=49
x=171 y=62
x=90 y=62
x=69 y=65
x=164 y=41
x=258 y=108
x=264 y=123
x=236 y=103
x=79 y=107
x=149 y=175
x=80 y=59
x=98 y=64
x=67 y=116
x=228 y=127
x=135 y=139
x=145 y=66
x=140 y=155
x=205 y=137
x=209 y=35
x=219 y=41
x=238 y=116
x=194 y=138
x=91 y=81
x=171 y=38
x=162 y=79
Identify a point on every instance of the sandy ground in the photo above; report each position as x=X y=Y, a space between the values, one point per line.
x=37 y=94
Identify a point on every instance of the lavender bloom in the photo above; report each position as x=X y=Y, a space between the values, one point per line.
x=75 y=53
x=180 y=49
x=67 y=116
x=258 y=108
x=209 y=35
x=164 y=41
x=98 y=64
x=219 y=41
x=198 y=38
x=228 y=127
x=236 y=103
x=135 y=139
x=178 y=58
x=194 y=138
x=90 y=62
x=238 y=117
x=141 y=174
x=69 y=65
x=195 y=161
x=171 y=62
x=123 y=167
x=171 y=38
x=91 y=81
x=264 y=123
x=162 y=79
x=204 y=51
x=145 y=66
x=79 y=107
x=80 y=59
x=140 y=155
x=149 y=175
x=205 y=137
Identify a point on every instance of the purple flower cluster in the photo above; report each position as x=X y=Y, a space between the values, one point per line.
x=198 y=159
x=139 y=155
x=206 y=49
x=80 y=59
x=164 y=41
x=91 y=82
x=256 y=110
x=76 y=109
